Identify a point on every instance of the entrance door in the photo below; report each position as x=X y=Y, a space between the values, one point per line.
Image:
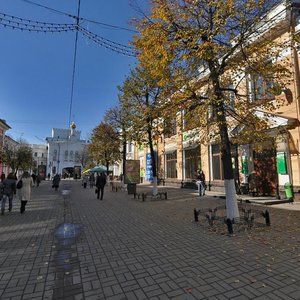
x=265 y=171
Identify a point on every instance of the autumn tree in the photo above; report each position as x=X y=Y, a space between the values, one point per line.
x=17 y=156
x=118 y=118
x=105 y=145
x=141 y=96
x=203 y=51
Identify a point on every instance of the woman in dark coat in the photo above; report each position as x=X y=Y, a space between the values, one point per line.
x=55 y=181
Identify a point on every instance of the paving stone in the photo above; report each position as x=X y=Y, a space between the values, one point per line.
x=151 y=250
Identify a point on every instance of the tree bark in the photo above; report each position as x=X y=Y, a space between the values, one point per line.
x=230 y=192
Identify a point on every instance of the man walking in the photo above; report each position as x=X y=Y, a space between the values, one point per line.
x=100 y=183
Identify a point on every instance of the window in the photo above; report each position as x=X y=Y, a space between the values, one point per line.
x=192 y=162
x=169 y=127
x=77 y=158
x=42 y=154
x=129 y=147
x=217 y=163
x=66 y=155
x=171 y=159
x=35 y=154
x=55 y=155
x=260 y=88
x=71 y=155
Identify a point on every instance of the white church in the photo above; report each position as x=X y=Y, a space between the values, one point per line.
x=65 y=152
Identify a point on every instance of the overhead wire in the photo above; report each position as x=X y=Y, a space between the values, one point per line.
x=74 y=63
x=38 y=26
x=81 y=18
x=35 y=26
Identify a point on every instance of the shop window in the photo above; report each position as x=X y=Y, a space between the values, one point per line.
x=171 y=160
x=192 y=162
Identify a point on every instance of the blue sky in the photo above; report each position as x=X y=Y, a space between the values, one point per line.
x=36 y=68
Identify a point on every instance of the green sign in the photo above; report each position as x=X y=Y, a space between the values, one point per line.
x=245 y=169
x=281 y=163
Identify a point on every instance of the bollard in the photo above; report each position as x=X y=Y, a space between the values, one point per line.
x=196 y=215
x=134 y=195
x=166 y=195
x=229 y=226
x=267 y=217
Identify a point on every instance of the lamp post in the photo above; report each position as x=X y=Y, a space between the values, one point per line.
x=58 y=157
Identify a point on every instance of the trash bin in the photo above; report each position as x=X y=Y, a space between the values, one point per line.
x=131 y=188
x=288 y=189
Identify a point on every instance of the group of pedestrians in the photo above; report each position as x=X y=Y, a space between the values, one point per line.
x=99 y=182
x=11 y=186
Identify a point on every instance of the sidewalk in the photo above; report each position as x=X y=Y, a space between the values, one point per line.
x=260 y=200
x=73 y=246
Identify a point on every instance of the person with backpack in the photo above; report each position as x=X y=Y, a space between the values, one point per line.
x=9 y=189
x=24 y=190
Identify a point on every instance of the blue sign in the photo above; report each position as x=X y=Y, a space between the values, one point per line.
x=149 y=173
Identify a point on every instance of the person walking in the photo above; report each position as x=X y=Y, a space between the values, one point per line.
x=38 y=180
x=2 y=177
x=92 y=180
x=55 y=181
x=201 y=183
x=24 y=193
x=9 y=189
x=33 y=178
x=100 y=183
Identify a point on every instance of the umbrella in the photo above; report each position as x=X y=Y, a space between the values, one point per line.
x=86 y=171
x=98 y=169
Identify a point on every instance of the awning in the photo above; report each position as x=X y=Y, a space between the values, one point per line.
x=273 y=122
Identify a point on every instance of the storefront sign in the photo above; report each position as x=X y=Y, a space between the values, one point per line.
x=245 y=169
x=149 y=173
x=281 y=163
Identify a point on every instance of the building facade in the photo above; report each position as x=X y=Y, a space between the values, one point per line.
x=65 y=150
x=40 y=159
x=273 y=163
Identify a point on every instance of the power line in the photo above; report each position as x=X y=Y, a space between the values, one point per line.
x=35 y=26
x=45 y=27
x=74 y=62
x=81 y=18
x=108 y=44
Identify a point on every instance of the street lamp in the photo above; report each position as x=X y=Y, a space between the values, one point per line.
x=58 y=156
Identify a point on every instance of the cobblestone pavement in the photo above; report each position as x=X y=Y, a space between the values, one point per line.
x=73 y=246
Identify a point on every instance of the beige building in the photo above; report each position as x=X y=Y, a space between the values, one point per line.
x=276 y=163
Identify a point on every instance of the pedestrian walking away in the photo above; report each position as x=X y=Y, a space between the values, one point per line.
x=24 y=193
x=100 y=184
x=55 y=181
x=92 y=180
x=9 y=189
x=38 y=180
